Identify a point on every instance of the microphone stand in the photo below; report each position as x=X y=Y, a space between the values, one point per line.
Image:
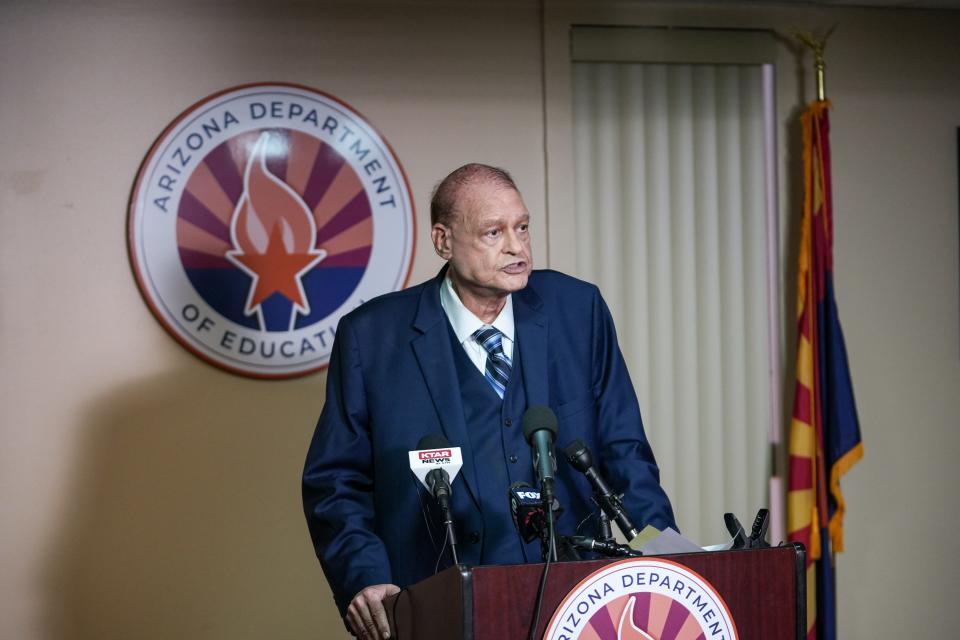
x=441 y=491
x=451 y=534
x=604 y=530
x=549 y=551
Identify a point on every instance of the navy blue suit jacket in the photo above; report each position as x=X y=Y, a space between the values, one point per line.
x=392 y=380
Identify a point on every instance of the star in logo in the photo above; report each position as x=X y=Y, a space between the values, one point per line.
x=277 y=271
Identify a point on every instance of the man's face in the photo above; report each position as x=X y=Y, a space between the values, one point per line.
x=488 y=243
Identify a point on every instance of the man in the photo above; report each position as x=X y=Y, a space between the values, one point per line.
x=464 y=355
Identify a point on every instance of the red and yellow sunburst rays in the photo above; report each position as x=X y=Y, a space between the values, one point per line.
x=273 y=234
x=802 y=513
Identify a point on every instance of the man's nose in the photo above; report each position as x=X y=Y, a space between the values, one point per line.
x=511 y=242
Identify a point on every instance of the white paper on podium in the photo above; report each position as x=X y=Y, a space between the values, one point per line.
x=670 y=541
x=723 y=546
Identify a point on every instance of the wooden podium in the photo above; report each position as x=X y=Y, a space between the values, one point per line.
x=764 y=589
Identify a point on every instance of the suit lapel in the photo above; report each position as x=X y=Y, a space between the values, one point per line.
x=532 y=332
x=435 y=357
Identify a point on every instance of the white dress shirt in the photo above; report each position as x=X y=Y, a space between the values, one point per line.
x=465 y=323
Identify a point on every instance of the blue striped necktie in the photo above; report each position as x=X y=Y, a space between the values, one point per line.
x=498 y=364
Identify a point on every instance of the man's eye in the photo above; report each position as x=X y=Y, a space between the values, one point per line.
x=493 y=233
x=524 y=227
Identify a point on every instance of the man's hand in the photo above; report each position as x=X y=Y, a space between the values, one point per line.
x=366 y=615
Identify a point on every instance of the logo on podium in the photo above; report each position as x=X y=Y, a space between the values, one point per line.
x=261 y=216
x=642 y=599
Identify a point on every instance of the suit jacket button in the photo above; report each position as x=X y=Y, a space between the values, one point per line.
x=474 y=537
x=513 y=459
x=508 y=422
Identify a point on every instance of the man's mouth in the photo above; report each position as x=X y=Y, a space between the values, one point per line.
x=516 y=268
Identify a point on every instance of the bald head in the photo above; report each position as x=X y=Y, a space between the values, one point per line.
x=482 y=229
x=448 y=196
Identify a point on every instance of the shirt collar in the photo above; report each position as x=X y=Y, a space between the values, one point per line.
x=464 y=322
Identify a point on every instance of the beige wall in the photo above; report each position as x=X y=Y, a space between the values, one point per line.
x=893 y=79
x=146 y=494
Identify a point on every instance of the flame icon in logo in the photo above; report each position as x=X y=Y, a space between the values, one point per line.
x=627 y=629
x=669 y=602
x=273 y=235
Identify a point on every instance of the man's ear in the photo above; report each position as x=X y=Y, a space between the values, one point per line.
x=441 y=238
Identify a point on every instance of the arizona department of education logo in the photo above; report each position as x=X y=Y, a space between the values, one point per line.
x=261 y=216
x=642 y=599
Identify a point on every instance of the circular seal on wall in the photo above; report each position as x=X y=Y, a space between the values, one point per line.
x=642 y=599
x=261 y=216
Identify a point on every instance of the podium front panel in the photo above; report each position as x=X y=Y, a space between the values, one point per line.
x=764 y=591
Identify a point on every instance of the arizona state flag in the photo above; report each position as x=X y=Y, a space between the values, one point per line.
x=824 y=432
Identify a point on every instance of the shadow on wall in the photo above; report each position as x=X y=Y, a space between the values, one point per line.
x=184 y=519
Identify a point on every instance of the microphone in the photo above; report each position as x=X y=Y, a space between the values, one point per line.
x=604 y=547
x=526 y=510
x=436 y=464
x=540 y=430
x=580 y=458
x=530 y=518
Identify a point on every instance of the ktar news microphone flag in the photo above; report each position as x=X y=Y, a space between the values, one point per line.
x=824 y=433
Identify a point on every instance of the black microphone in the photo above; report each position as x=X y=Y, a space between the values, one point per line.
x=530 y=518
x=580 y=458
x=430 y=463
x=438 y=480
x=526 y=510
x=604 y=547
x=540 y=430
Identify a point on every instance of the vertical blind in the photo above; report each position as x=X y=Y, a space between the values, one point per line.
x=671 y=225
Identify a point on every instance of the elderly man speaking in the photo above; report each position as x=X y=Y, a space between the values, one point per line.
x=464 y=355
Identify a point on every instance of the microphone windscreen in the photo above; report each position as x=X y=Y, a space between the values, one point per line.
x=578 y=455
x=536 y=418
x=432 y=441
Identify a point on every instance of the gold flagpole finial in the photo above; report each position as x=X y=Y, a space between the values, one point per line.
x=816 y=44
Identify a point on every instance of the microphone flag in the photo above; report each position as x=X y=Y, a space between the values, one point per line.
x=423 y=461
